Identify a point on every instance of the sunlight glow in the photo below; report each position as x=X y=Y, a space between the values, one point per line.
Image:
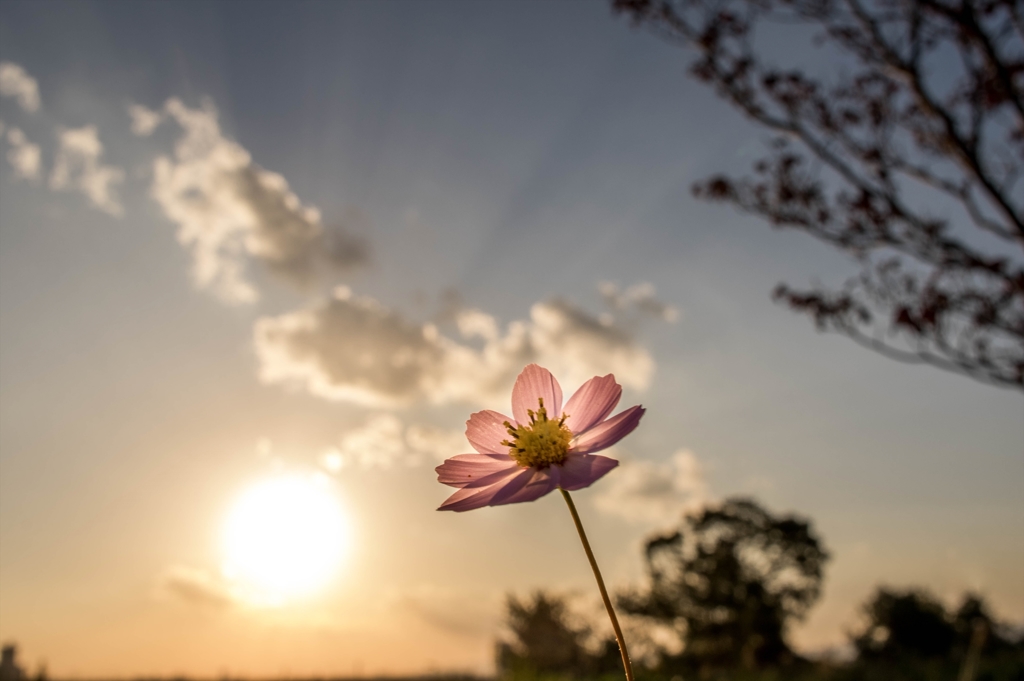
x=284 y=537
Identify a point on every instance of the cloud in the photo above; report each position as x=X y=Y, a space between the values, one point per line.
x=575 y=344
x=23 y=156
x=385 y=442
x=649 y=492
x=230 y=210
x=437 y=443
x=640 y=298
x=77 y=167
x=377 y=444
x=195 y=587
x=355 y=349
x=348 y=348
x=16 y=83
x=144 y=121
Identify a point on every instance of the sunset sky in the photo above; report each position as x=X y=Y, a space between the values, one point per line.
x=256 y=244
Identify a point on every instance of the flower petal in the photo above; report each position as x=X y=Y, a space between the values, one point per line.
x=466 y=469
x=475 y=496
x=468 y=498
x=536 y=484
x=526 y=485
x=485 y=431
x=592 y=403
x=535 y=382
x=580 y=470
x=607 y=433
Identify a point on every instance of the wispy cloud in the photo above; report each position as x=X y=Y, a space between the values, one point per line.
x=16 y=83
x=384 y=441
x=77 y=166
x=577 y=345
x=354 y=348
x=452 y=611
x=434 y=443
x=24 y=157
x=195 y=587
x=144 y=121
x=640 y=298
x=650 y=492
x=230 y=210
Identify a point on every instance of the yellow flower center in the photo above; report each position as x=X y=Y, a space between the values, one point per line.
x=541 y=443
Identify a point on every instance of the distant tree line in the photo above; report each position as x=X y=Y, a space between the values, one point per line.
x=727 y=585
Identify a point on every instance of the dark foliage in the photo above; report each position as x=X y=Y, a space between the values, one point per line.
x=975 y=626
x=905 y=624
x=930 y=107
x=914 y=624
x=730 y=580
x=545 y=641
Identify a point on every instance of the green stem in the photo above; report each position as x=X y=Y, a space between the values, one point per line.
x=600 y=585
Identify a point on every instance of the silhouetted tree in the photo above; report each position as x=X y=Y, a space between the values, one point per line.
x=10 y=670
x=972 y=614
x=914 y=624
x=929 y=105
x=905 y=624
x=544 y=640
x=730 y=580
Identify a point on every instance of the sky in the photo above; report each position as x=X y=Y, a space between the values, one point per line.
x=287 y=248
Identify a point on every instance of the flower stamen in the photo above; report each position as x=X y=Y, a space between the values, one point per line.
x=540 y=444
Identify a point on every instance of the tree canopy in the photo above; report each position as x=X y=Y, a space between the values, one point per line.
x=730 y=580
x=543 y=638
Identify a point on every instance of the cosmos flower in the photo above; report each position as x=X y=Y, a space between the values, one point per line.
x=543 y=448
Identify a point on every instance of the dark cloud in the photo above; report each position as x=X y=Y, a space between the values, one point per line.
x=353 y=348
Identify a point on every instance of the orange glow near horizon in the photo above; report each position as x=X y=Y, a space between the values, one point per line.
x=284 y=537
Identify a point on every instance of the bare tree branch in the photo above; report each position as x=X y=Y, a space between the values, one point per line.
x=903 y=122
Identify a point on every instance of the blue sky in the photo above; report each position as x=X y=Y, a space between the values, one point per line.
x=481 y=161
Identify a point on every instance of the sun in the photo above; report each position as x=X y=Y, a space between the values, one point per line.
x=283 y=538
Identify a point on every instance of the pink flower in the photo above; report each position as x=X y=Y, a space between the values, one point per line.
x=524 y=459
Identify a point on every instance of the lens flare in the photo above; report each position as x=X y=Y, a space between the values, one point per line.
x=284 y=538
